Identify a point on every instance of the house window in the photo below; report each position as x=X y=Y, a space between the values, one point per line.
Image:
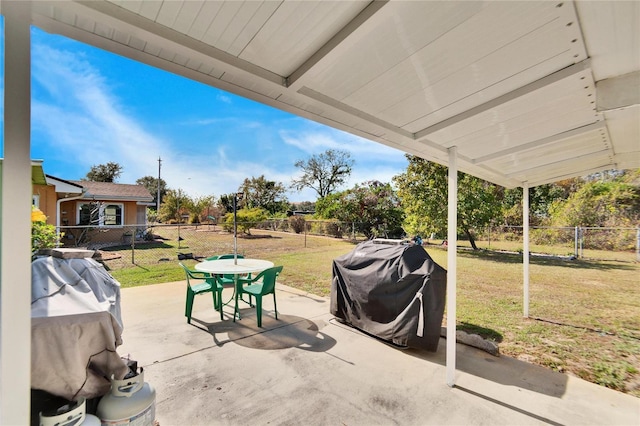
x=100 y=214
x=112 y=215
x=36 y=201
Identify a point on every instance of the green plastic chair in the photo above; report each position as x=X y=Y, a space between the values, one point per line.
x=209 y=284
x=264 y=283
x=229 y=279
x=224 y=256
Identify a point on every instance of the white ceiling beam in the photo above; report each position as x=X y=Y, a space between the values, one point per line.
x=119 y=18
x=550 y=165
x=294 y=80
x=322 y=98
x=333 y=103
x=618 y=92
x=541 y=142
x=507 y=97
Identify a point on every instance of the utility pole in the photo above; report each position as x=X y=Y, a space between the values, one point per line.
x=158 y=196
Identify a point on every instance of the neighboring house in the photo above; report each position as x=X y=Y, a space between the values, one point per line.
x=120 y=204
x=48 y=196
x=99 y=212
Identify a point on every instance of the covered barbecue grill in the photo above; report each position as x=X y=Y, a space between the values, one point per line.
x=395 y=292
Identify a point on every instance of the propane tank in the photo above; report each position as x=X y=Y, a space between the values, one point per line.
x=131 y=401
x=72 y=414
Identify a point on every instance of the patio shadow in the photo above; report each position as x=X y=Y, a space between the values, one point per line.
x=545 y=260
x=502 y=369
x=288 y=331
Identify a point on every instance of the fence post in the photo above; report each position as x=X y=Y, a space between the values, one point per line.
x=575 y=242
x=133 y=247
x=638 y=244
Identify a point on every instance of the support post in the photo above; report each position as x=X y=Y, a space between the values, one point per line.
x=525 y=249
x=235 y=229
x=452 y=231
x=158 y=194
x=15 y=214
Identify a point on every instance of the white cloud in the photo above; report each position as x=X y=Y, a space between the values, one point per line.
x=315 y=139
x=80 y=118
x=224 y=98
x=86 y=119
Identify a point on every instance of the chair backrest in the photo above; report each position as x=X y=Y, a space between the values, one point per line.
x=196 y=275
x=224 y=256
x=269 y=279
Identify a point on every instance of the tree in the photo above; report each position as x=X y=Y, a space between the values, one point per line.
x=541 y=198
x=609 y=200
x=198 y=207
x=175 y=205
x=266 y=194
x=373 y=207
x=225 y=202
x=600 y=203
x=151 y=183
x=324 y=173
x=423 y=191
x=109 y=172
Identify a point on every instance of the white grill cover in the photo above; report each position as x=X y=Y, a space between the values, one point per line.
x=76 y=326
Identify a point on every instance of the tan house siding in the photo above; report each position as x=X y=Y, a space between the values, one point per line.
x=47 y=196
x=69 y=212
x=131 y=213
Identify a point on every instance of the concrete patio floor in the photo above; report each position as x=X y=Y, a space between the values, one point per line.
x=307 y=368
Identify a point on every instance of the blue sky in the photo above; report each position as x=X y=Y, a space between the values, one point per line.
x=90 y=107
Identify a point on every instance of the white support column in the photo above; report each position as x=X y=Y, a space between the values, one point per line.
x=525 y=248
x=15 y=219
x=452 y=231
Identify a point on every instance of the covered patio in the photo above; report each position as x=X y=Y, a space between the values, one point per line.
x=517 y=93
x=308 y=368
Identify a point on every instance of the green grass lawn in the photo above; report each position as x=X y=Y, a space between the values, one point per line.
x=583 y=319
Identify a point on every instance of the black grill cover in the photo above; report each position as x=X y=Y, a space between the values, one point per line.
x=394 y=292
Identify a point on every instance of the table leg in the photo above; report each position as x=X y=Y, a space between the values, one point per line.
x=236 y=309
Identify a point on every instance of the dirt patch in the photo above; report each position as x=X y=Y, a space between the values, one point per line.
x=254 y=236
x=107 y=255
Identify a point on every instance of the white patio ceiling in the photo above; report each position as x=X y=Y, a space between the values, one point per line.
x=528 y=92
x=525 y=92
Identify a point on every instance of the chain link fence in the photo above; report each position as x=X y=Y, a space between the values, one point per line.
x=589 y=243
x=156 y=243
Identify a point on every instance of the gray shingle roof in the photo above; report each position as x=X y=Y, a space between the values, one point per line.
x=114 y=191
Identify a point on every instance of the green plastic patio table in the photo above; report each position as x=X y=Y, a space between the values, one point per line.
x=234 y=267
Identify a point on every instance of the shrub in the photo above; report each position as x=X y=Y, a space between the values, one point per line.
x=334 y=228
x=283 y=225
x=43 y=235
x=297 y=223
x=246 y=219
